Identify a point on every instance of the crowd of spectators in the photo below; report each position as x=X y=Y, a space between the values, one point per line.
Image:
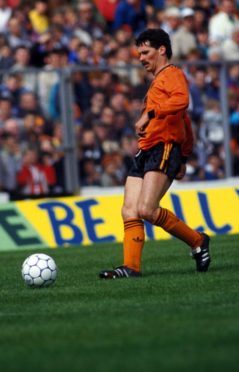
x=40 y=39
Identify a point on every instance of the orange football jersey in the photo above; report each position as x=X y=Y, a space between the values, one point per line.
x=168 y=99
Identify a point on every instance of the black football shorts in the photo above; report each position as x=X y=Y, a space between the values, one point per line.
x=164 y=157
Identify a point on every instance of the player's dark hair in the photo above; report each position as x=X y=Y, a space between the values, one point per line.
x=156 y=37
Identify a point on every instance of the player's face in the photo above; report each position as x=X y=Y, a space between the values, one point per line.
x=150 y=57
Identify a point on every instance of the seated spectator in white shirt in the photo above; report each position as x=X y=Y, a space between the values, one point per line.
x=5 y=14
x=230 y=47
x=222 y=23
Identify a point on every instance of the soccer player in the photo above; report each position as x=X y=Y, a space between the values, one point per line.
x=165 y=141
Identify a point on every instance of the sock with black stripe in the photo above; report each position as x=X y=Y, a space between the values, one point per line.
x=133 y=242
x=176 y=227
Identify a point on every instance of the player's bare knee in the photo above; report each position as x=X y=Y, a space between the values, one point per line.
x=127 y=212
x=146 y=213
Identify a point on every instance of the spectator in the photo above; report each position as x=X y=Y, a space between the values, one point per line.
x=83 y=55
x=49 y=77
x=71 y=23
x=57 y=17
x=6 y=58
x=234 y=121
x=82 y=90
x=107 y=9
x=104 y=81
x=55 y=4
x=40 y=50
x=90 y=148
x=58 y=36
x=49 y=170
x=3 y=39
x=39 y=18
x=5 y=14
x=203 y=43
x=87 y=21
x=33 y=126
x=211 y=130
x=193 y=170
x=135 y=104
x=123 y=58
x=10 y=162
x=208 y=7
x=230 y=47
x=214 y=53
x=73 y=46
x=119 y=102
x=22 y=63
x=53 y=105
x=233 y=77
x=171 y=21
x=58 y=155
x=6 y=110
x=21 y=58
x=31 y=178
x=200 y=19
x=213 y=83
x=28 y=104
x=98 y=52
x=57 y=138
x=129 y=147
x=101 y=132
x=21 y=14
x=235 y=156
x=114 y=172
x=184 y=40
x=122 y=37
x=92 y=114
x=222 y=23
x=130 y=13
x=13 y=127
x=14 y=3
x=213 y=169
x=197 y=90
x=122 y=124
x=91 y=152
x=16 y=34
x=11 y=89
x=90 y=175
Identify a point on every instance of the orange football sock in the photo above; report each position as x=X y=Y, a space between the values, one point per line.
x=133 y=242
x=176 y=227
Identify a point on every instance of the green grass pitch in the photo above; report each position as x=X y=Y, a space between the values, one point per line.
x=172 y=319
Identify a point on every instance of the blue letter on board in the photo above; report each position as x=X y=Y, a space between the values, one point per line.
x=208 y=218
x=90 y=222
x=179 y=212
x=66 y=221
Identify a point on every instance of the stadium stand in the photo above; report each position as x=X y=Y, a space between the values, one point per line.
x=40 y=40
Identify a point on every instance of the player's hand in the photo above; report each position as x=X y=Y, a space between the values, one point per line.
x=181 y=172
x=141 y=125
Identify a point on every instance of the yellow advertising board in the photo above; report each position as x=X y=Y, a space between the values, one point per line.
x=85 y=220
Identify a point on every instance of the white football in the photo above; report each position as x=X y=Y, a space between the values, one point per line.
x=39 y=270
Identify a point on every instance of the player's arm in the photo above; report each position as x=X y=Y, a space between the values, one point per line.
x=176 y=88
x=141 y=124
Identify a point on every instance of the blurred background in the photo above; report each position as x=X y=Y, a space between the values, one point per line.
x=71 y=88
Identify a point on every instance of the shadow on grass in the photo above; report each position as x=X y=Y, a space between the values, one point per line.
x=168 y=272
x=225 y=267
x=217 y=268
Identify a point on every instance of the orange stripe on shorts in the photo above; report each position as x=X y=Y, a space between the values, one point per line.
x=166 y=153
